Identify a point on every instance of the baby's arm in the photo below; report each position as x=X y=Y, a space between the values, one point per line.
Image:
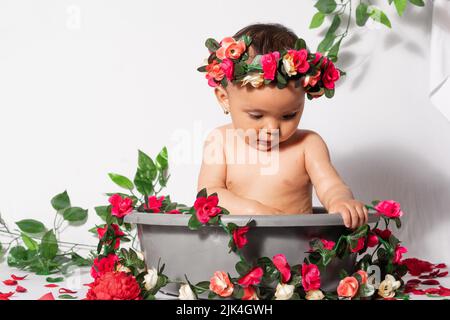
x=213 y=176
x=332 y=192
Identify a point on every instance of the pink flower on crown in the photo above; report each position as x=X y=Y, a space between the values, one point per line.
x=214 y=73
x=330 y=75
x=296 y=61
x=269 y=63
x=230 y=48
x=317 y=57
x=311 y=80
x=228 y=68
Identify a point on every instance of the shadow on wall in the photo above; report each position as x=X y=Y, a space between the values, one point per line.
x=390 y=172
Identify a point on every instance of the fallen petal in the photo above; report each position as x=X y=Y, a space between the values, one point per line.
x=47 y=296
x=21 y=289
x=431 y=282
x=10 y=282
x=17 y=277
x=51 y=285
x=65 y=290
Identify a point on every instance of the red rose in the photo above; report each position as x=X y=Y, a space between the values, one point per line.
x=120 y=207
x=104 y=265
x=372 y=240
x=282 y=265
x=269 y=63
x=114 y=286
x=206 y=208
x=399 y=251
x=330 y=75
x=300 y=60
x=117 y=232
x=228 y=68
x=389 y=208
x=329 y=245
x=416 y=267
x=385 y=234
x=310 y=277
x=239 y=236
x=359 y=245
x=174 y=211
x=154 y=204
x=251 y=278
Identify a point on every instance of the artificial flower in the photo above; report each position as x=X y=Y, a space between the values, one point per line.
x=389 y=209
x=296 y=61
x=239 y=236
x=330 y=75
x=214 y=73
x=154 y=204
x=122 y=268
x=230 y=48
x=114 y=286
x=348 y=287
x=314 y=295
x=186 y=293
x=329 y=245
x=228 y=68
x=359 y=245
x=104 y=265
x=206 y=208
x=363 y=276
x=372 y=240
x=253 y=277
x=117 y=233
x=284 y=291
x=150 y=279
x=310 y=277
x=311 y=80
x=398 y=254
x=256 y=79
x=385 y=234
x=388 y=286
x=269 y=63
x=280 y=262
x=221 y=285
x=120 y=207
x=250 y=294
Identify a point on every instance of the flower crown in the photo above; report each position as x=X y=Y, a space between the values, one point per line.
x=227 y=62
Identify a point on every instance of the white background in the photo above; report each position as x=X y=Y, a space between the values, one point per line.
x=85 y=84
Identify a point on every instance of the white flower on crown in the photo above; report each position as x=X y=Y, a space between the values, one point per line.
x=256 y=79
x=284 y=291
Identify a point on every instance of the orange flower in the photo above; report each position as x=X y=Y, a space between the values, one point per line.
x=348 y=287
x=220 y=284
x=230 y=48
x=311 y=80
x=214 y=73
x=363 y=275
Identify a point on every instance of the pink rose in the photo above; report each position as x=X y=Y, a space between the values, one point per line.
x=104 y=265
x=280 y=262
x=206 y=208
x=359 y=246
x=120 y=207
x=348 y=287
x=330 y=75
x=300 y=59
x=269 y=63
x=251 y=278
x=228 y=68
x=317 y=57
x=310 y=277
x=154 y=204
x=117 y=232
x=372 y=240
x=239 y=236
x=398 y=254
x=389 y=208
x=230 y=48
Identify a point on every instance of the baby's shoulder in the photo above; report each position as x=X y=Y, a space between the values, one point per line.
x=311 y=138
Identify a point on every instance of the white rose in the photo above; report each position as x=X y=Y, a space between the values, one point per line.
x=255 y=78
x=284 y=291
x=150 y=279
x=186 y=293
x=314 y=295
x=289 y=66
x=388 y=286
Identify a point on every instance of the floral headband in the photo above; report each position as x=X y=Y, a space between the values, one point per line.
x=227 y=62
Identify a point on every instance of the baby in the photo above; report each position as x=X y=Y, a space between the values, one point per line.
x=278 y=163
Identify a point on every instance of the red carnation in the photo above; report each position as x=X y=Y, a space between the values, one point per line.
x=310 y=277
x=120 y=207
x=117 y=232
x=206 y=208
x=114 y=286
x=104 y=265
x=239 y=236
x=282 y=265
x=251 y=278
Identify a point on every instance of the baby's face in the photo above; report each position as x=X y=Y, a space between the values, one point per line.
x=267 y=115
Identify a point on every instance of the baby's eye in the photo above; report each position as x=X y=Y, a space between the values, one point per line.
x=255 y=115
x=289 y=116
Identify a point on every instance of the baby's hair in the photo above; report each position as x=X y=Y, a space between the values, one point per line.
x=268 y=37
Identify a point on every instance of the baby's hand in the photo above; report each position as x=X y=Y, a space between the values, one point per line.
x=353 y=212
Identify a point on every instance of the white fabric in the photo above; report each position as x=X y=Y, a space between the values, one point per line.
x=439 y=57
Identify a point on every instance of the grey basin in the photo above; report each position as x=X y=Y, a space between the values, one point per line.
x=198 y=254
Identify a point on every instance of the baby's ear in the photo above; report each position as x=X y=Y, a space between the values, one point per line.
x=222 y=97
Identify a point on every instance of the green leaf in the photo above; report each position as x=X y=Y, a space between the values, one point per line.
x=329 y=93
x=202 y=287
x=31 y=226
x=398 y=223
x=247 y=40
x=49 y=246
x=75 y=214
x=29 y=242
x=61 y=201
x=103 y=211
x=193 y=223
x=361 y=14
x=54 y=280
x=202 y=193
x=326 y=6
x=317 y=20
x=334 y=51
x=300 y=44
x=400 y=5
x=66 y=297
x=418 y=3
x=201 y=69
x=212 y=44
x=145 y=174
x=326 y=43
x=242 y=268
x=334 y=24
x=121 y=181
x=379 y=16
x=281 y=79
x=162 y=162
x=16 y=256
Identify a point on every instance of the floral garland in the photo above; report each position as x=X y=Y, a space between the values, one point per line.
x=227 y=62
